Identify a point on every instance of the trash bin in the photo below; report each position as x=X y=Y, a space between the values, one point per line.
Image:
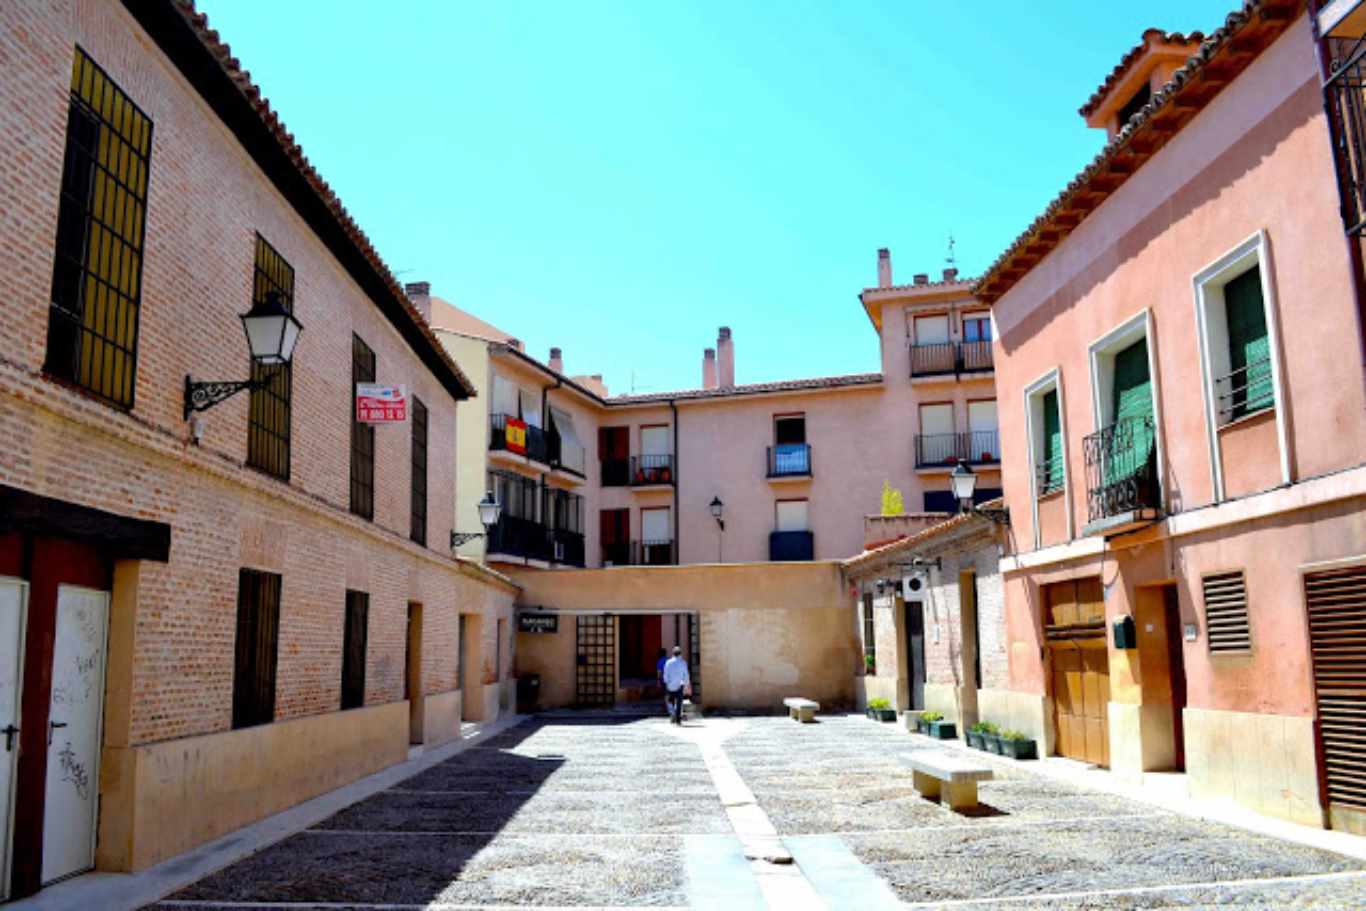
x=528 y=693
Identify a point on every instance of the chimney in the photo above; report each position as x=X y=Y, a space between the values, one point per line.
x=922 y=278
x=420 y=293
x=515 y=343
x=556 y=362
x=884 y=268
x=725 y=359
x=709 y=368
x=950 y=275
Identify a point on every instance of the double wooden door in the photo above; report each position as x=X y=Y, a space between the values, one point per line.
x=1074 y=628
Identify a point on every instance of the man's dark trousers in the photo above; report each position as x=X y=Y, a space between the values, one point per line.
x=676 y=706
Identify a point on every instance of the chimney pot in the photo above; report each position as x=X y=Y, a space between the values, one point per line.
x=950 y=275
x=884 y=268
x=709 y=380
x=556 y=362
x=515 y=343
x=420 y=294
x=922 y=278
x=725 y=359
x=417 y=288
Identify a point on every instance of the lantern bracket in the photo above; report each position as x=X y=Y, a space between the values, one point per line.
x=201 y=395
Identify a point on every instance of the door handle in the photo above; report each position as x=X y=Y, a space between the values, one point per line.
x=52 y=726
x=9 y=731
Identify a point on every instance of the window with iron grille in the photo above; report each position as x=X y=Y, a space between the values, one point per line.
x=362 y=435
x=270 y=411
x=92 y=331
x=258 y=632
x=355 y=635
x=419 y=473
x=869 y=636
x=1226 y=626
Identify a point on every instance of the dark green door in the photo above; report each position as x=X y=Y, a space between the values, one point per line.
x=1132 y=406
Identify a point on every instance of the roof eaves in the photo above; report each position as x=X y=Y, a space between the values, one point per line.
x=1129 y=59
x=816 y=384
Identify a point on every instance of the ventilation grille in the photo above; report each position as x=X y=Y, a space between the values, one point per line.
x=1336 y=600
x=1226 y=613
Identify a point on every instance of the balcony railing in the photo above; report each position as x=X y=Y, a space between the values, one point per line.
x=519 y=537
x=951 y=358
x=1121 y=469
x=616 y=472
x=652 y=553
x=652 y=469
x=789 y=460
x=977 y=447
x=616 y=554
x=566 y=547
x=787 y=546
x=1049 y=476
x=1343 y=94
x=1244 y=391
x=538 y=441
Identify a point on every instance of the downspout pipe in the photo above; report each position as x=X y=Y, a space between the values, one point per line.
x=678 y=545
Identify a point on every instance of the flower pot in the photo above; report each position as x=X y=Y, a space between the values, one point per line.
x=975 y=740
x=992 y=743
x=1019 y=749
x=942 y=730
x=885 y=714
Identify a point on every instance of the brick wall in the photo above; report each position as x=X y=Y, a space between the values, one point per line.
x=206 y=201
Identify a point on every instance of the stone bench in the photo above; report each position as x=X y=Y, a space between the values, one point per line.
x=951 y=779
x=799 y=709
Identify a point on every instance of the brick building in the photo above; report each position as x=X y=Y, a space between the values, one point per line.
x=195 y=602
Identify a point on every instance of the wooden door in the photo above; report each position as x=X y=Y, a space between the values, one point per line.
x=1336 y=602
x=614 y=533
x=13 y=605
x=1080 y=661
x=915 y=652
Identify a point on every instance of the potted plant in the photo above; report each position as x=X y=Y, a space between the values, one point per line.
x=938 y=728
x=974 y=736
x=991 y=738
x=1018 y=745
x=880 y=709
x=869 y=665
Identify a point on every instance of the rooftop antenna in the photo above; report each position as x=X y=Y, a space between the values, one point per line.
x=950 y=260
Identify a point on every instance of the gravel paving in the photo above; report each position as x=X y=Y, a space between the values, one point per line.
x=566 y=812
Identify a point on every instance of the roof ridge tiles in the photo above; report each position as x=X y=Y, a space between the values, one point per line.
x=1128 y=60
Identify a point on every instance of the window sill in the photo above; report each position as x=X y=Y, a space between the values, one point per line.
x=1250 y=418
x=1054 y=494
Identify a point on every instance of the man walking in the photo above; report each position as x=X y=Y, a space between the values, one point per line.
x=676 y=684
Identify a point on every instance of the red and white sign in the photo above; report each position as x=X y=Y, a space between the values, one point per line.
x=376 y=404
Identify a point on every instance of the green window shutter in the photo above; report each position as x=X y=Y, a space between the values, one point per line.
x=1052 y=470
x=1133 y=406
x=1249 y=349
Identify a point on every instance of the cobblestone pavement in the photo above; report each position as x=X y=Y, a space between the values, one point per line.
x=618 y=812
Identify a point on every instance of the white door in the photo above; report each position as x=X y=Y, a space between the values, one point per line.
x=982 y=429
x=792 y=515
x=73 y=753
x=13 y=603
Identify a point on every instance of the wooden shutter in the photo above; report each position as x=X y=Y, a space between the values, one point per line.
x=417 y=507
x=258 y=630
x=1226 y=623
x=1249 y=348
x=1052 y=469
x=362 y=435
x=1133 y=402
x=1336 y=604
x=355 y=636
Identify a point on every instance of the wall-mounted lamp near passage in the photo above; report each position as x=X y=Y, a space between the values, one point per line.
x=489 y=511
x=717 y=508
x=272 y=332
x=963 y=480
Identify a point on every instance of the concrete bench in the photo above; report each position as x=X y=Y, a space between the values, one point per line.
x=949 y=778
x=799 y=709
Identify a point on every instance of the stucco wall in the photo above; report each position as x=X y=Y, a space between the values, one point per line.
x=767 y=631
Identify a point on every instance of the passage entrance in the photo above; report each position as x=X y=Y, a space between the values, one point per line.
x=1074 y=628
x=596 y=672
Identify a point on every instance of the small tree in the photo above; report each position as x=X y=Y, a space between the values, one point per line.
x=892 y=504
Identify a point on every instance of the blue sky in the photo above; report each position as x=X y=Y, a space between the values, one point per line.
x=619 y=179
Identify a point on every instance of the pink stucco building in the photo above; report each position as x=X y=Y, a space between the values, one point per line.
x=1182 y=408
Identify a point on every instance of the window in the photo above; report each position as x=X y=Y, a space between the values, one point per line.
x=932 y=330
x=355 y=635
x=572 y=453
x=869 y=636
x=1131 y=408
x=1247 y=388
x=362 y=435
x=1050 y=467
x=791 y=515
x=92 y=328
x=789 y=429
x=418 y=483
x=269 y=414
x=982 y=437
x=258 y=631
x=977 y=327
x=656 y=537
x=614 y=533
x=614 y=452
x=1135 y=104
x=937 y=444
x=1121 y=456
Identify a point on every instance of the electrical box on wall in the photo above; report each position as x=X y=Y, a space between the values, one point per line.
x=1126 y=635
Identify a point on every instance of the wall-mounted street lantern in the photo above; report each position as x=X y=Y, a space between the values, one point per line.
x=272 y=332
x=963 y=480
x=717 y=508
x=489 y=511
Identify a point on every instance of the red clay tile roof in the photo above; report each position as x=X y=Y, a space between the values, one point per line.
x=815 y=383
x=219 y=49
x=1223 y=55
x=966 y=284
x=1128 y=60
x=908 y=544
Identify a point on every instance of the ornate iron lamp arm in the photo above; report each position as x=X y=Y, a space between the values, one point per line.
x=201 y=395
x=464 y=537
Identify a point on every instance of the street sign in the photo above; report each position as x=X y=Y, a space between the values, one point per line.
x=528 y=622
x=376 y=404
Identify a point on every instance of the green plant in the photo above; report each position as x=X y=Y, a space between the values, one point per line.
x=979 y=727
x=1014 y=735
x=869 y=663
x=931 y=716
x=988 y=728
x=892 y=504
x=878 y=702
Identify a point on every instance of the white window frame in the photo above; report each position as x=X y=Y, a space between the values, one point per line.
x=806 y=514
x=1208 y=285
x=1033 y=407
x=1102 y=353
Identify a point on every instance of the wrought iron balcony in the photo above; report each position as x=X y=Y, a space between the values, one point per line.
x=652 y=469
x=519 y=537
x=1346 y=102
x=1244 y=391
x=566 y=547
x=951 y=358
x=538 y=440
x=787 y=546
x=789 y=460
x=652 y=553
x=616 y=554
x=1122 y=488
x=945 y=450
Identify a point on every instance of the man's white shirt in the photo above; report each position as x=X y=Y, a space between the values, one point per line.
x=676 y=674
